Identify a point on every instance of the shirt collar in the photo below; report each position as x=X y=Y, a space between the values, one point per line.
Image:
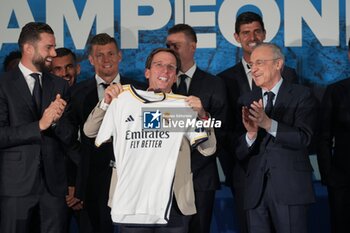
x=26 y=72
x=275 y=89
x=99 y=80
x=245 y=66
x=189 y=72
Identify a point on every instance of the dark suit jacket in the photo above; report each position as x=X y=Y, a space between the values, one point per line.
x=286 y=156
x=334 y=163
x=211 y=91
x=236 y=82
x=21 y=141
x=94 y=173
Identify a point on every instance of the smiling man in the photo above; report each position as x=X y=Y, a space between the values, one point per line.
x=34 y=131
x=162 y=66
x=278 y=123
x=96 y=170
x=65 y=65
x=249 y=32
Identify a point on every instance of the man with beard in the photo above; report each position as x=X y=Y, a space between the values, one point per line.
x=33 y=132
x=97 y=163
x=65 y=65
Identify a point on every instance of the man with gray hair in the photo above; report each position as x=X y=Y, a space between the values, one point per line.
x=278 y=119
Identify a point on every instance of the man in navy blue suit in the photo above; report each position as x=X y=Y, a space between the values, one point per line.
x=34 y=132
x=211 y=92
x=249 y=32
x=278 y=120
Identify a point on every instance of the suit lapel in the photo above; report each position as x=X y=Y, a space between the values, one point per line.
x=284 y=96
x=23 y=91
x=243 y=79
x=196 y=84
x=91 y=97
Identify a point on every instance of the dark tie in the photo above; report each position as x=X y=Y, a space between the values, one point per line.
x=269 y=103
x=37 y=92
x=248 y=66
x=182 y=88
x=104 y=85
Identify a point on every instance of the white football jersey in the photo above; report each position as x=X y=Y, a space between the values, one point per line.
x=145 y=153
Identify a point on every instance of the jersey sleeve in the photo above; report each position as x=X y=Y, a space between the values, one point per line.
x=107 y=128
x=196 y=136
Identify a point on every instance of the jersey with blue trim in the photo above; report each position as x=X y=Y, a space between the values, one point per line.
x=145 y=158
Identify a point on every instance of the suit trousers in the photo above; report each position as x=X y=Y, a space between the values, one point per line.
x=339 y=203
x=270 y=216
x=178 y=223
x=19 y=213
x=240 y=212
x=99 y=214
x=200 y=222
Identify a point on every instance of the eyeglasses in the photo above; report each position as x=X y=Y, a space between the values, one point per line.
x=260 y=63
x=159 y=65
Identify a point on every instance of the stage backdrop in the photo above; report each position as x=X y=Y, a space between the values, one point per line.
x=313 y=33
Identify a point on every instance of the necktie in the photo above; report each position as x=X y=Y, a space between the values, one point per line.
x=248 y=66
x=182 y=88
x=37 y=92
x=104 y=85
x=269 y=104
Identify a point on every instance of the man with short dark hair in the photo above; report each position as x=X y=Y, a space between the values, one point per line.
x=65 y=65
x=161 y=68
x=34 y=131
x=191 y=80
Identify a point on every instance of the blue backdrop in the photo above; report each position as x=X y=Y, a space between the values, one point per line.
x=318 y=53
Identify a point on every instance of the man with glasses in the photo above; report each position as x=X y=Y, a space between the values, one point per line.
x=279 y=121
x=97 y=163
x=249 y=32
x=162 y=65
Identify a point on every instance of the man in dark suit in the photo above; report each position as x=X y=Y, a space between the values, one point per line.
x=249 y=32
x=211 y=91
x=65 y=65
x=278 y=121
x=333 y=151
x=34 y=130
x=97 y=163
